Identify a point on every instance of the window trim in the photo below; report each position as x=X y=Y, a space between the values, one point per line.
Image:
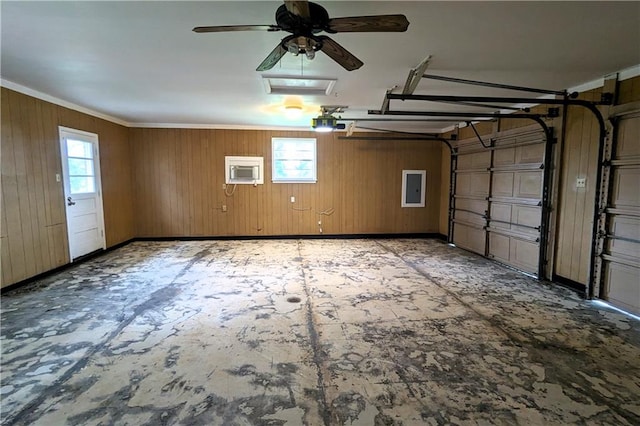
x=274 y=179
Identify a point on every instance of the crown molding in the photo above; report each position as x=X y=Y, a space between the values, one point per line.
x=219 y=127
x=60 y=102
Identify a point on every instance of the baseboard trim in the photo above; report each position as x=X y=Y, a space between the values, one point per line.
x=427 y=235
x=579 y=288
x=79 y=260
x=42 y=275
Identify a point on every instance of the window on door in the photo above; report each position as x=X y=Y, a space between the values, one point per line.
x=82 y=177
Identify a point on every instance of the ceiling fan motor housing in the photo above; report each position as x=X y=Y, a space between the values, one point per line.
x=317 y=21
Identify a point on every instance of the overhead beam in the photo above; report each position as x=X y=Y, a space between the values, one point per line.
x=494 y=85
x=495 y=99
x=460 y=115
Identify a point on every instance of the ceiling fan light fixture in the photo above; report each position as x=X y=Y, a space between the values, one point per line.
x=292 y=112
x=293 y=49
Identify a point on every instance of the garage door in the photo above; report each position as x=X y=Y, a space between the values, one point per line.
x=471 y=196
x=618 y=265
x=498 y=197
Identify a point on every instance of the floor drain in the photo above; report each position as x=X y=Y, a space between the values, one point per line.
x=293 y=299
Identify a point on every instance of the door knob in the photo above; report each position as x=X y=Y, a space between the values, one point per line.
x=70 y=202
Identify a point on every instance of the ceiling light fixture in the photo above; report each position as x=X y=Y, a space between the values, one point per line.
x=293 y=112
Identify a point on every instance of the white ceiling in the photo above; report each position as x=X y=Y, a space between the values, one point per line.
x=139 y=62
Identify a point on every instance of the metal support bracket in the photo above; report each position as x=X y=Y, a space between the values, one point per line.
x=496 y=85
x=414 y=76
x=470 y=123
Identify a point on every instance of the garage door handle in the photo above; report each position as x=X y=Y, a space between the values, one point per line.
x=70 y=202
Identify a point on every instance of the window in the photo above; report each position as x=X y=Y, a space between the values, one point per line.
x=414 y=184
x=81 y=174
x=293 y=160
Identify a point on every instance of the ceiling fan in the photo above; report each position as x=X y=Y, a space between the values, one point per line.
x=304 y=20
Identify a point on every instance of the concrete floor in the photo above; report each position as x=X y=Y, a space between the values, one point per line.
x=386 y=332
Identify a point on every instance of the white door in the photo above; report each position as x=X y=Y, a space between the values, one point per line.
x=82 y=191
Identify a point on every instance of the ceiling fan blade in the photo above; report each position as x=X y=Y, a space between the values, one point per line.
x=378 y=23
x=340 y=54
x=273 y=58
x=223 y=28
x=298 y=7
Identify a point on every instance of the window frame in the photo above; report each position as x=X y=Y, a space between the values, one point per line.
x=274 y=160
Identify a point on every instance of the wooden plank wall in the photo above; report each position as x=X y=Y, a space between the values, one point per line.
x=173 y=179
x=179 y=175
x=576 y=205
x=33 y=235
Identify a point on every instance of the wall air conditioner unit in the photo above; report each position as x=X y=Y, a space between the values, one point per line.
x=244 y=170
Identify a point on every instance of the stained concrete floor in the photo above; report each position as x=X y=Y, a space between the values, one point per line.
x=386 y=332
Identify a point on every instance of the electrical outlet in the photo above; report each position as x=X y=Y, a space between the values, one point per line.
x=224 y=186
x=293 y=199
x=581 y=183
x=224 y=207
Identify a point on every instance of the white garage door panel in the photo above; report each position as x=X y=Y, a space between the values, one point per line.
x=512 y=185
x=499 y=247
x=504 y=157
x=472 y=184
x=628 y=137
x=618 y=266
x=528 y=184
x=502 y=184
x=626 y=187
x=623 y=288
x=501 y=215
x=468 y=217
x=478 y=160
x=470 y=238
x=524 y=254
x=530 y=154
x=629 y=229
x=476 y=206
x=529 y=216
x=514 y=251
